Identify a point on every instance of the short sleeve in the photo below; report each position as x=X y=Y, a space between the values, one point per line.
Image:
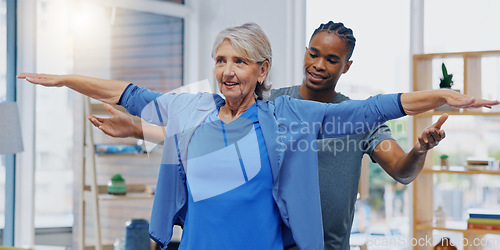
x=375 y=137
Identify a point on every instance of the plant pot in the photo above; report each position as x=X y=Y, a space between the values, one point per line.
x=117 y=185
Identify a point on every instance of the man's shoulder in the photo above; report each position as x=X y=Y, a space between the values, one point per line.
x=292 y=91
x=339 y=98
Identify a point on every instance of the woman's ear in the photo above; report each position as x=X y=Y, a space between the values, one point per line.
x=264 y=69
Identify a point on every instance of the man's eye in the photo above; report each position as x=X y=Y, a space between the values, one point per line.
x=332 y=61
x=312 y=55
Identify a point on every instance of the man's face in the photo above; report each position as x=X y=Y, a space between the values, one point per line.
x=325 y=61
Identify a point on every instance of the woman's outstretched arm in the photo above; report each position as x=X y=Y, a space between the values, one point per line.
x=108 y=91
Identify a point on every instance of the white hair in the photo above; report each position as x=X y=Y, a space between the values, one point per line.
x=251 y=41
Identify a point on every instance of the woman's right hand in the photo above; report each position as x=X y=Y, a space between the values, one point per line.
x=120 y=125
x=43 y=79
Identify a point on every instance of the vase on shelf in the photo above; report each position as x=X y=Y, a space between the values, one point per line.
x=116 y=185
x=439 y=217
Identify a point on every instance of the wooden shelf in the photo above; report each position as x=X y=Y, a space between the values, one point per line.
x=459 y=170
x=134 y=192
x=104 y=247
x=424 y=78
x=140 y=155
x=456 y=54
x=128 y=196
x=456 y=226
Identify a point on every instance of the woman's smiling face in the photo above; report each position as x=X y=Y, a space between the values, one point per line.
x=236 y=75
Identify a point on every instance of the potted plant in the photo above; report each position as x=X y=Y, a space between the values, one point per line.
x=444 y=161
x=116 y=185
x=446 y=80
x=446 y=83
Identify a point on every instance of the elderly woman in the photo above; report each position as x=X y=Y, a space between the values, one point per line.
x=239 y=172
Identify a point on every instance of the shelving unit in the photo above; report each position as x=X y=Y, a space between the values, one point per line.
x=423 y=186
x=90 y=190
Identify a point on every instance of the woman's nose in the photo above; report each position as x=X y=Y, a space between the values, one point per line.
x=228 y=70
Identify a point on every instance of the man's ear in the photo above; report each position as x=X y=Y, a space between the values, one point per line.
x=347 y=66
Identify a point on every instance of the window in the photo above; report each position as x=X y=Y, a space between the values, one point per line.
x=381 y=64
x=3 y=95
x=466 y=136
x=147 y=49
x=380 y=58
x=111 y=42
x=452 y=32
x=54 y=120
x=3 y=50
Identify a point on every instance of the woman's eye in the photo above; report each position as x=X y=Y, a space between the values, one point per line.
x=239 y=61
x=219 y=61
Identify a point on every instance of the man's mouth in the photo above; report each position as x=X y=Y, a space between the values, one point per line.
x=316 y=77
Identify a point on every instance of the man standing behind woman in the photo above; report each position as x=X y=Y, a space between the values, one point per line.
x=325 y=60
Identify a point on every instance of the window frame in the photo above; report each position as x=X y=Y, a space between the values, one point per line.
x=23 y=50
x=10 y=160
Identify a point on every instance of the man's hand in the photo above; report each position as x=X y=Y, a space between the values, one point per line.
x=432 y=135
x=120 y=125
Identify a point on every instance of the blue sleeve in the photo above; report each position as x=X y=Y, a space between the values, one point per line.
x=356 y=116
x=134 y=99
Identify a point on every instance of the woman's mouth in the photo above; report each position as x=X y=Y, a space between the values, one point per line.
x=230 y=83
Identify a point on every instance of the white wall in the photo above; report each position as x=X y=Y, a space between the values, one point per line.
x=283 y=21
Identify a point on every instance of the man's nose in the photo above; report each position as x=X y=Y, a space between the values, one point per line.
x=320 y=64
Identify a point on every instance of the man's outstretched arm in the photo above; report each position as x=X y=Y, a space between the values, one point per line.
x=405 y=167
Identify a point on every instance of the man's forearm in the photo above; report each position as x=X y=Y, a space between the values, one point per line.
x=410 y=165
